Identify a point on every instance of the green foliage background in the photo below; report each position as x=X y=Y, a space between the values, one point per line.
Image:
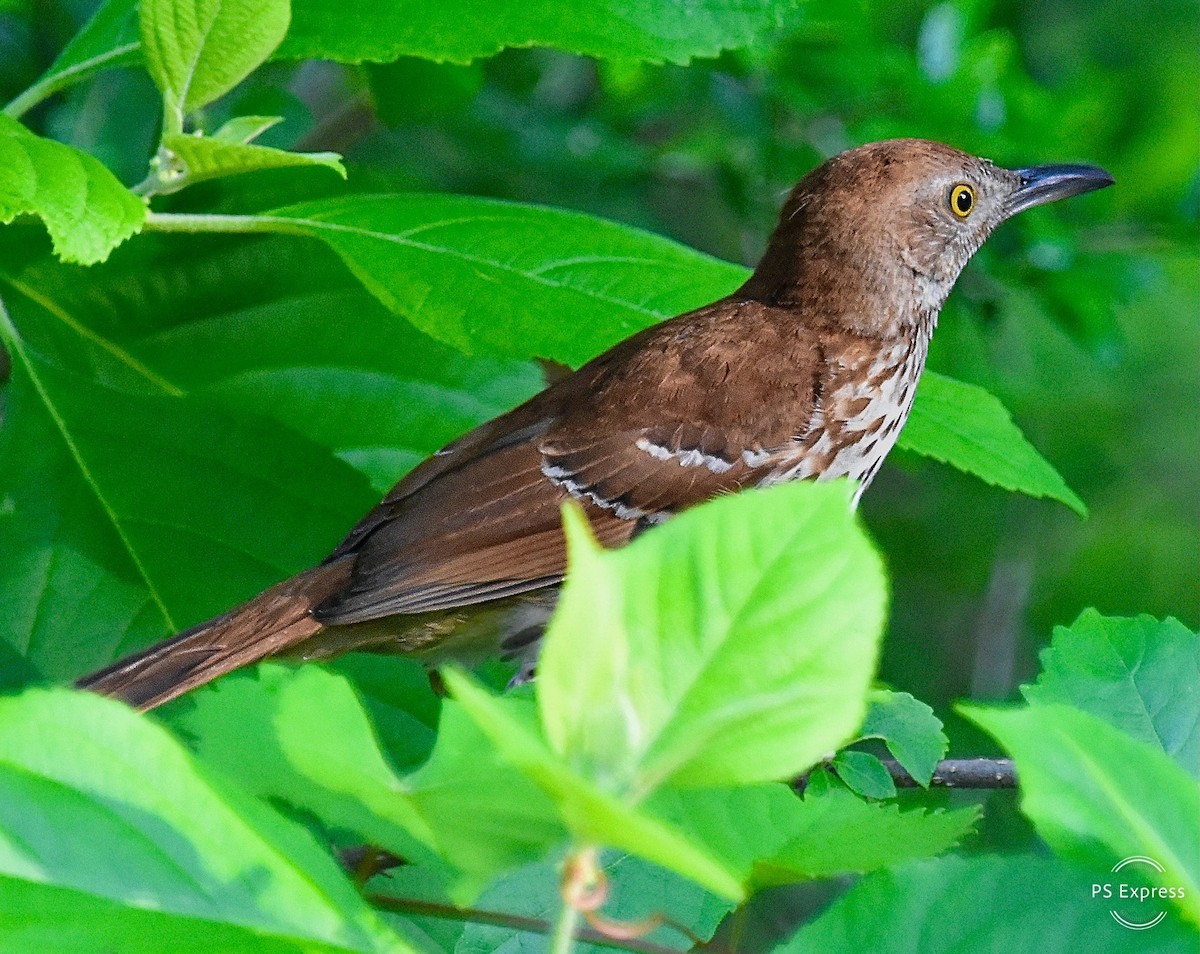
x=1082 y=318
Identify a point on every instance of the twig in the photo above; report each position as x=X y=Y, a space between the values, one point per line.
x=517 y=922
x=950 y=773
x=960 y=773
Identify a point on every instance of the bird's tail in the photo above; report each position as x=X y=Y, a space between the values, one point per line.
x=275 y=620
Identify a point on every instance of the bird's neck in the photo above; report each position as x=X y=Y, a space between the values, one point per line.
x=870 y=297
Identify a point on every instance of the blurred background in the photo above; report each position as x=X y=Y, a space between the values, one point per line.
x=1084 y=318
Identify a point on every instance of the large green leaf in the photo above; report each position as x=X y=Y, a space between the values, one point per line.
x=734 y=644
x=111 y=838
x=129 y=515
x=277 y=327
x=87 y=211
x=989 y=903
x=1140 y=675
x=963 y=425
x=198 y=50
x=459 y=30
x=481 y=275
x=593 y=815
x=1094 y=792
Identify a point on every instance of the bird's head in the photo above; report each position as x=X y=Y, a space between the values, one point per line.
x=878 y=235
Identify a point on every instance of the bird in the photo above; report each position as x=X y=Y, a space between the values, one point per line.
x=807 y=371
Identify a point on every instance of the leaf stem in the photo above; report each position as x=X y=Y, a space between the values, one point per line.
x=199 y=223
x=52 y=83
x=563 y=939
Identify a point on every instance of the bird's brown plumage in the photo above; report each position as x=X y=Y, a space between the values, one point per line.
x=808 y=370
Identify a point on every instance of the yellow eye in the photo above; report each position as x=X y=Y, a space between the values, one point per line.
x=962 y=200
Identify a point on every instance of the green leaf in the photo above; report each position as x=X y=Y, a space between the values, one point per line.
x=592 y=815
x=250 y=325
x=771 y=836
x=487 y=816
x=198 y=50
x=481 y=276
x=652 y=30
x=963 y=425
x=107 y=40
x=909 y=729
x=86 y=210
x=734 y=644
x=190 y=158
x=245 y=129
x=397 y=696
x=112 y=838
x=990 y=903
x=864 y=774
x=832 y=832
x=157 y=513
x=303 y=735
x=1140 y=675
x=1093 y=791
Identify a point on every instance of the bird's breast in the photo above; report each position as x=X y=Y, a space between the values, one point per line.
x=865 y=399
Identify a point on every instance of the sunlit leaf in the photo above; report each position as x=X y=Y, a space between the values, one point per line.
x=593 y=815
x=963 y=425
x=112 y=838
x=195 y=158
x=86 y=210
x=198 y=50
x=734 y=644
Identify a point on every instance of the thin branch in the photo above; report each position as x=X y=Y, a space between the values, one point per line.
x=950 y=773
x=960 y=773
x=517 y=922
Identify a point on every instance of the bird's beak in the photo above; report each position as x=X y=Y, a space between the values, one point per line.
x=1042 y=184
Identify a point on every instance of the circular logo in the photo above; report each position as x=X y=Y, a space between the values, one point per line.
x=1140 y=906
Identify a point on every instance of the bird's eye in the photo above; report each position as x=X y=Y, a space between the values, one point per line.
x=962 y=200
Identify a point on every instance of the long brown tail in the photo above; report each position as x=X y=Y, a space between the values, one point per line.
x=273 y=621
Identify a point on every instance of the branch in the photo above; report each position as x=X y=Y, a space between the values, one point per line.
x=960 y=773
x=517 y=922
x=950 y=773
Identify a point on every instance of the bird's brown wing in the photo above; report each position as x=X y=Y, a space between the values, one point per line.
x=645 y=431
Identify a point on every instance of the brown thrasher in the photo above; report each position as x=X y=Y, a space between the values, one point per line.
x=806 y=371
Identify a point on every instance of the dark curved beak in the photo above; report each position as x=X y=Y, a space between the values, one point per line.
x=1042 y=184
